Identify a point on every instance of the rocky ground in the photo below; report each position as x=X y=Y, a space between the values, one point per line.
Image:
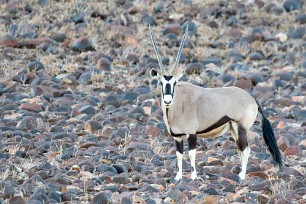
x=80 y=119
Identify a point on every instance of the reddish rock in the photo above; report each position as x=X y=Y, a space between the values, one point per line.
x=33 y=43
x=173 y=28
x=194 y=68
x=30 y=107
x=9 y=41
x=283 y=143
x=210 y=199
x=92 y=125
x=293 y=150
x=87 y=144
x=131 y=40
x=259 y=174
x=266 y=165
x=104 y=64
x=245 y=84
x=152 y=131
x=282 y=201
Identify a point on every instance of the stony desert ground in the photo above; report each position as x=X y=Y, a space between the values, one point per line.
x=80 y=117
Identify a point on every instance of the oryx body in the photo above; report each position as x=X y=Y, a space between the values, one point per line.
x=194 y=111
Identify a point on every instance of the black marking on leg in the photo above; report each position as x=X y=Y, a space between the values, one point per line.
x=192 y=141
x=242 y=142
x=225 y=119
x=179 y=146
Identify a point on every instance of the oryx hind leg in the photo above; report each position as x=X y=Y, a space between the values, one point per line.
x=239 y=133
x=192 y=144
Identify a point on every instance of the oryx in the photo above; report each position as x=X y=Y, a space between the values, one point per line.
x=194 y=111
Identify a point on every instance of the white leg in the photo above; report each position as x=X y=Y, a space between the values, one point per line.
x=244 y=156
x=192 y=156
x=179 y=174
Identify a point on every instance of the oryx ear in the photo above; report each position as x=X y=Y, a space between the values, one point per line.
x=154 y=73
x=180 y=75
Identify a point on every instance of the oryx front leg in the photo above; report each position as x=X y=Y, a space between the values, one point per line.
x=179 y=155
x=244 y=150
x=192 y=143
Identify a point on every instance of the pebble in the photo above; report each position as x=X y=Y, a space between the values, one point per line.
x=16 y=200
x=293 y=150
x=35 y=66
x=103 y=198
x=82 y=44
x=290 y=5
x=245 y=84
x=9 y=41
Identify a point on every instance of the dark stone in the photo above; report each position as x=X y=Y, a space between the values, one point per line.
x=296 y=33
x=211 y=191
x=230 y=188
x=256 y=56
x=29 y=35
x=148 y=20
x=82 y=44
x=102 y=198
x=40 y=195
x=194 y=68
x=85 y=78
x=290 y=5
x=21 y=154
x=16 y=200
x=285 y=76
x=120 y=168
x=260 y=185
x=192 y=28
x=129 y=97
x=88 y=109
x=216 y=61
x=43 y=2
x=126 y=200
x=8 y=191
x=121 y=179
x=301 y=18
x=59 y=37
x=55 y=196
x=113 y=100
x=35 y=66
x=105 y=168
x=27 y=123
x=255 y=78
x=78 y=18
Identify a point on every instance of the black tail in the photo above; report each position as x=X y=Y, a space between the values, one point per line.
x=269 y=138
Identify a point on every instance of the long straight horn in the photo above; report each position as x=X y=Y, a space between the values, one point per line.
x=180 y=49
x=156 y=50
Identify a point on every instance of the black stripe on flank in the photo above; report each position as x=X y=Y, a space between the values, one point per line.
x=219 y=123
x=176 y=135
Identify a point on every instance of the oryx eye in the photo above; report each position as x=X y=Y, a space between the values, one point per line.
x=160 y=83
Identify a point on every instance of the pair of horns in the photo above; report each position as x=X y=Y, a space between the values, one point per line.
x=178 y=54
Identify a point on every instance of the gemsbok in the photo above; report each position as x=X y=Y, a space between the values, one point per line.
x=194 y=111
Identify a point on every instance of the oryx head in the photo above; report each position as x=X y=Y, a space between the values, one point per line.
x=167 y=79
